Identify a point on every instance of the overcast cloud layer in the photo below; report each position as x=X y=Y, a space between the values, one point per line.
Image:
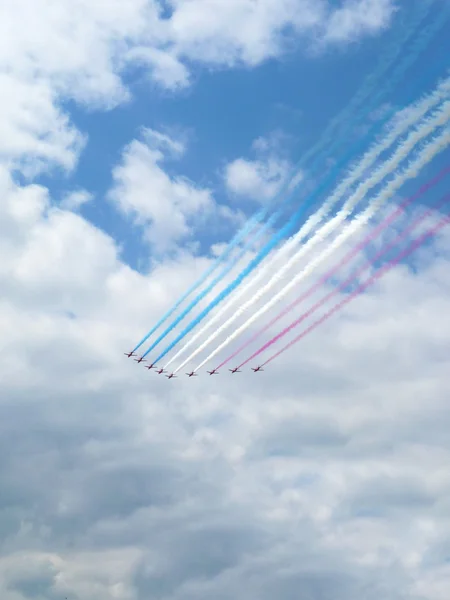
x=327 y=479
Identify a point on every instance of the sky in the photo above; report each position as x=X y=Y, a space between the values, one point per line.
x=136 y=138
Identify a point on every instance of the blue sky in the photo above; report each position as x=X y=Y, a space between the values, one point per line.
x=135 y=140
x=224 y=111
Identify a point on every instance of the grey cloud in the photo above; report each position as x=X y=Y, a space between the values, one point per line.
x=37 y=582
x=383 y=496
x=239 y=561
x=300 y=437
x=150 y=490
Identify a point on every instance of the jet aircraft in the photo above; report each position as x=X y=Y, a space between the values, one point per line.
x=213 y=372
x=160 y=371
x=236 y=370
x=129 y=354
x=257 y=369
x=150 y=366
x=140 y=359
x=170 y=376
x=192 y=374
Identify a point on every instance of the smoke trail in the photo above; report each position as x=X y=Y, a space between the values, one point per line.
x=349 y=115
x=411 y=171
x=347 y=258
x=349 y=280
x=251 y=224
x=413 y=115
x=288 y=186
x=231 y=287
x=420 y=44
x=392 y=263
x=264 y=252
x=361 y=191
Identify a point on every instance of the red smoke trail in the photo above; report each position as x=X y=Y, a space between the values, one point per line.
x=359 y=289
x=347 y=258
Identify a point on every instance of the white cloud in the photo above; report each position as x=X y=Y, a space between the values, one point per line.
x=221 y=33
x=115 y=484
x=329 y=473
x=261 y=178
x=165 y=67
x=169 y=207
x=82 y=45
x=256 y=179
x=357 y=18
x=76 y=45
x=248 y=32
x=78 y=50
x=74 y=200
x=33 y=130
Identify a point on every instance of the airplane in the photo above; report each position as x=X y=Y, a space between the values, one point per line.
x=193 y=374
x=170 y=376
x=213 y=372
x=236 y=370
x=160 y=371
x=129 y=354
x=150 y=366
x=140 y=359
x=257 y=369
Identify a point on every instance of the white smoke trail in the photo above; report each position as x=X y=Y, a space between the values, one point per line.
x=425 y=129
x=404 y=121
x=427 y=154
x=413 y=169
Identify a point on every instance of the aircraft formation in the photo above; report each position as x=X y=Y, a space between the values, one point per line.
x=291 y=239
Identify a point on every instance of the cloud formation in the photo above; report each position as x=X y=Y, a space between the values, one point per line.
x=168 y=207
x=117 y=484
x=261 y=178
x=327 y=479
x=79 y=50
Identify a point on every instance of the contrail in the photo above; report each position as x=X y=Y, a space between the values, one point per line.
x=421 y=41
x=410 y=172
x=363 y=286
x=238 y=238
x=411 y=117
x=349 y=280
x=361 y=191
x=344 y=261
x=348 y=116
x=264 y=252
x=288 y=186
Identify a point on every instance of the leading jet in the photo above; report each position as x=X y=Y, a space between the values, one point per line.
x=129 y=354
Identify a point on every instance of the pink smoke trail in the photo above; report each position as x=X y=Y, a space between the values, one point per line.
x=347 y=258
x=358 y=290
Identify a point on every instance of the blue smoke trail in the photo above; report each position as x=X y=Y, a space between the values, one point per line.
x=213 y=283
x=388 y=58
x=286 y=230
x=419 y=45
x=251 y=223
x=264 y=252
x=383 y=65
